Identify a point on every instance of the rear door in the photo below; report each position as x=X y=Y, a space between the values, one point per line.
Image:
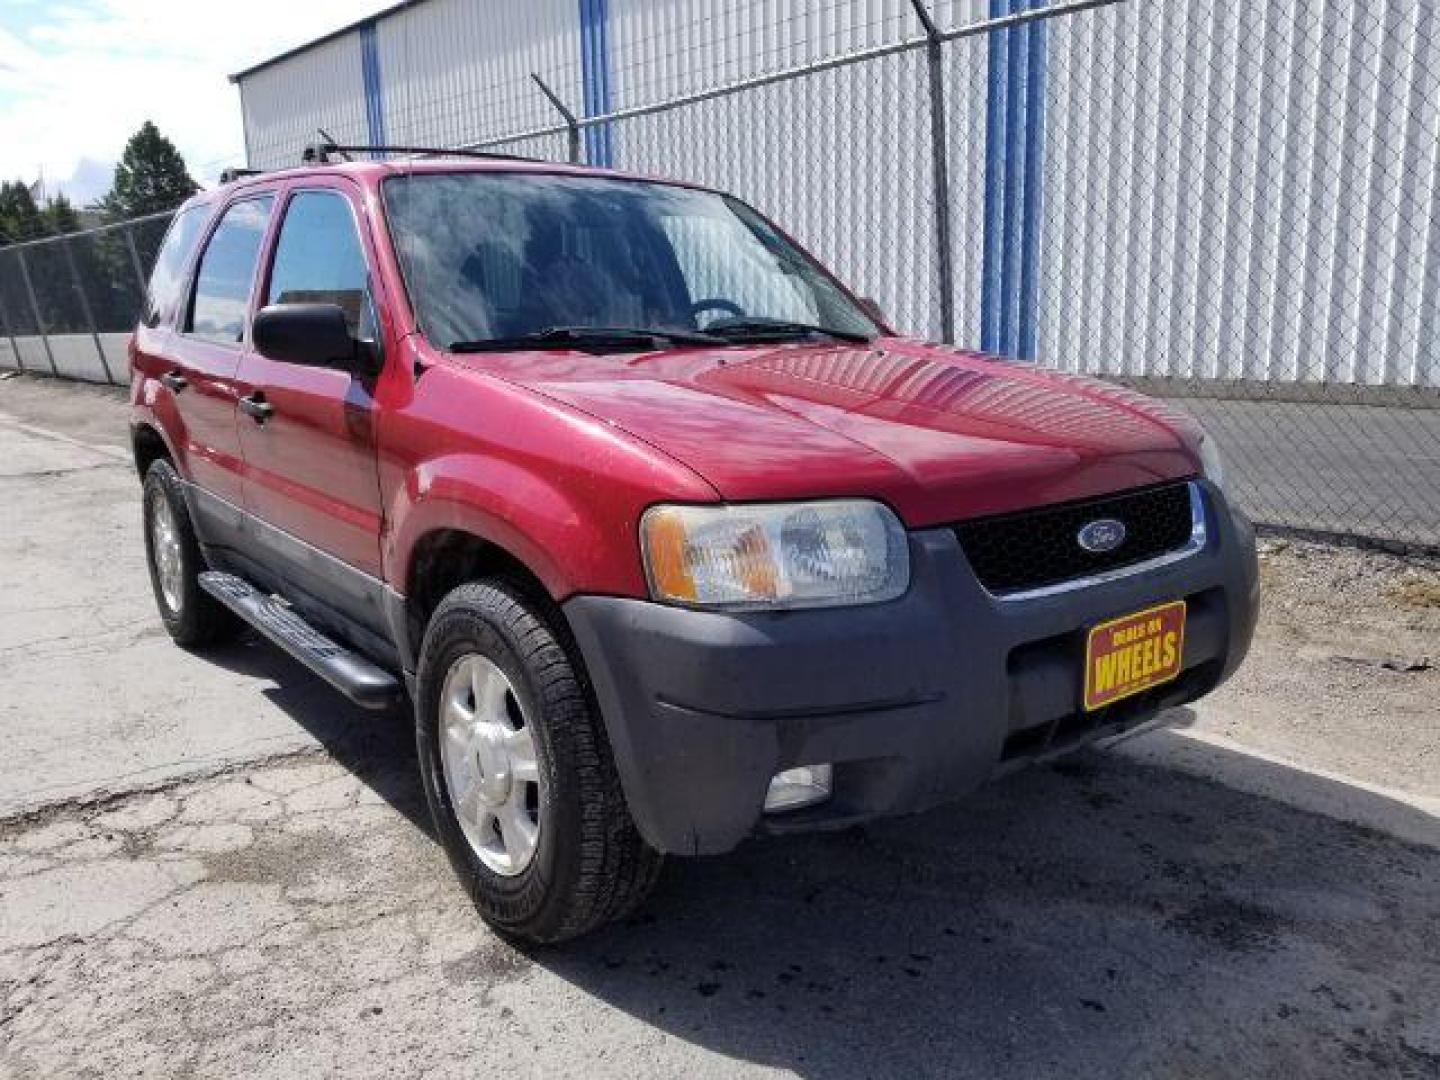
x=151 y=354
x=210 y=340
x=310 y=463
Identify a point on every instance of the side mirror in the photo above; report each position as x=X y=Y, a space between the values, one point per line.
x=312 y=334
x=872 y=309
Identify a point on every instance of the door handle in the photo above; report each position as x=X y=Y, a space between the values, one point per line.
x=175 y=381
x=256 y=407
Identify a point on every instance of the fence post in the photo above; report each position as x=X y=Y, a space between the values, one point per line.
x=572 y=125
x=940 y=164
x=85 y=309
x=35 y=309
x=10 y=333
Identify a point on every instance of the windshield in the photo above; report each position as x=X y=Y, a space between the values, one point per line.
x=497 y=256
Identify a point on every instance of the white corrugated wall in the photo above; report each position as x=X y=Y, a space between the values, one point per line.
x=285 y=103
x=1228 y=190
x=1244 y=191
x=842 y=159
x=454 y=71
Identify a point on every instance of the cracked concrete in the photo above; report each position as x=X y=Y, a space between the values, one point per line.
x=1101 y=918
x=76 y=611
x=211 y=866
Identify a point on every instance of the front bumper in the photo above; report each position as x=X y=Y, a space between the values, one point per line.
x=916 y=701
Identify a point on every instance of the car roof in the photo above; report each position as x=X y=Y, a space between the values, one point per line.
x=370 y=173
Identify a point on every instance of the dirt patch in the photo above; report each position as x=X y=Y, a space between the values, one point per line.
x=1319 y=594
x=1344 y=672
x=1230 y=924
x=1419 y=589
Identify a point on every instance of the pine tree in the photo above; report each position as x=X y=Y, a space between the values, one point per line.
x=60 y=216
x=20 y=218
x=150 y=178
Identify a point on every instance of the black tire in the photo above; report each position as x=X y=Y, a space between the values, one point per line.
x=197 y=619
x=590 y=865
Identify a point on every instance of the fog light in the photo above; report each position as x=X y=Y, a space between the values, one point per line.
x=794 y=788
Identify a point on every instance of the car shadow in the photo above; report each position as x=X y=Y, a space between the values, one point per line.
x=1098 y=917
x=1101 y=916
x=376 y=746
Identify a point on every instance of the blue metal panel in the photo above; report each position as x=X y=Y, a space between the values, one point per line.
x=602 y=71
x=1014 y=177
x=370 y=76
x=1014 y=151
x=992 y=251
x=1030 y=209
x=595 y=76
x=587 y=72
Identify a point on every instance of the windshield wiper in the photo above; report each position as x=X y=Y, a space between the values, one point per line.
x=604 y=338
x=761 y=329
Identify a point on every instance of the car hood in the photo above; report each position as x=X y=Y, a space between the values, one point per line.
x=940 y=434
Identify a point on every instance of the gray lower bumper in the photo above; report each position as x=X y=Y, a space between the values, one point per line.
x=916 y=701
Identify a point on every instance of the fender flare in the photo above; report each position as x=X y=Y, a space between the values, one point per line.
x=143 y=426
x=501 y=503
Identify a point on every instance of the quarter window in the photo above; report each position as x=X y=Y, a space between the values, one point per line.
x=166 y=278
x=227 y=272
x=318 y=258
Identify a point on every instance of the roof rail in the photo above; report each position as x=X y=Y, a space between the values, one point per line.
x=320 y=153
x=229 y=176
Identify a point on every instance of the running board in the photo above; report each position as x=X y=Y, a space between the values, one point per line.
x=357 y=678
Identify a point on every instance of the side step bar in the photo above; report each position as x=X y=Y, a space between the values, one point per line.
x=354 y=676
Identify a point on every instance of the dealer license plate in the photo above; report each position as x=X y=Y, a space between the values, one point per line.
x=1131 y=654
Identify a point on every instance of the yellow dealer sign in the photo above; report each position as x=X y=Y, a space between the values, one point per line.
x=1133 y=653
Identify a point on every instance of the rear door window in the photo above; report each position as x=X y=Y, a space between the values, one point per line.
x=167 y=279
x=227 y=273
x=318 y=258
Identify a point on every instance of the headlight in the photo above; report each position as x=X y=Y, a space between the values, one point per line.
x=777 y=555
x=1210 y=464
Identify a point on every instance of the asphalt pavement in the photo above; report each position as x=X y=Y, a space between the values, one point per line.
x=1330 y=467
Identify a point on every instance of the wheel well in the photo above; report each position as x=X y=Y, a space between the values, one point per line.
x=148 y=448
x=447 y=558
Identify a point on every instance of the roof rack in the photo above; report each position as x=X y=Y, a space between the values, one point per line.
x=229 y=176
x=320 y=153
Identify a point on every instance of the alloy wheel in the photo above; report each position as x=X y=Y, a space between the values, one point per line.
x=487 y=753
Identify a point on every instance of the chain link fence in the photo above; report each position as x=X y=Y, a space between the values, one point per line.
x=68 y=304
x=1240 y=213
x=1230 y=206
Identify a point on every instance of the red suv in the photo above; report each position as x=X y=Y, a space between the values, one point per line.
x=667 y=537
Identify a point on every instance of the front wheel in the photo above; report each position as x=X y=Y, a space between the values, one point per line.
x=519 y=774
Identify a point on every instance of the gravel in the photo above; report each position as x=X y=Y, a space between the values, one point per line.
x=1345 y=673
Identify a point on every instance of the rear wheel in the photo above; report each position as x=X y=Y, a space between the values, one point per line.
x=519 y=774
x=191 y=616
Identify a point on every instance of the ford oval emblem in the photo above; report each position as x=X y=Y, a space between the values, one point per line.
x=1101 y=536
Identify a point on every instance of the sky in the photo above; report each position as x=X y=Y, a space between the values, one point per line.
x=78 y=77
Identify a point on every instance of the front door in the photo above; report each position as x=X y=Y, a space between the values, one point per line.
x=311 y=475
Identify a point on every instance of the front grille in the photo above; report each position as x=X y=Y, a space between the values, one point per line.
x=1035 y=548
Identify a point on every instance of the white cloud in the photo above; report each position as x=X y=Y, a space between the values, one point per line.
x=77 y=79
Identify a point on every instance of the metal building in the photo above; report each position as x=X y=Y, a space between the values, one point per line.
x=1192 y=189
